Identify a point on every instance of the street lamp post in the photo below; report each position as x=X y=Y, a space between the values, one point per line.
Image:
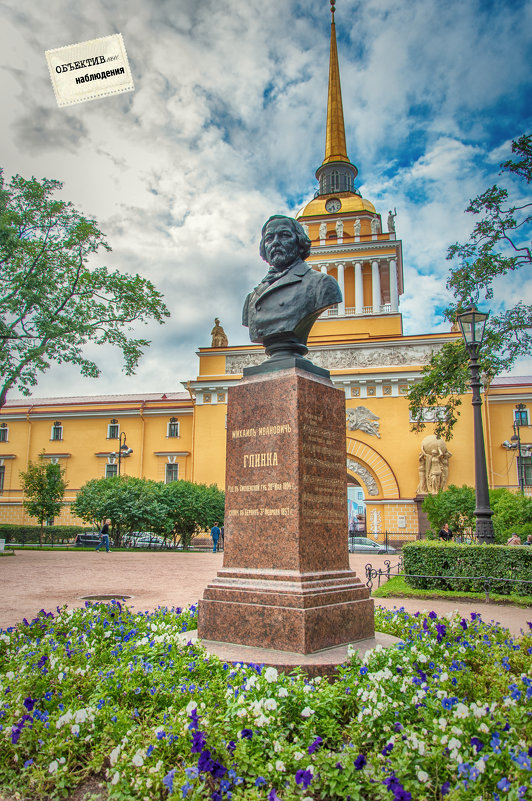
x=517 y=439
x=472 y=323
x=123 y=450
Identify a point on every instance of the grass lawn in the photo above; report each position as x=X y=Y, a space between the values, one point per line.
x=397 y=587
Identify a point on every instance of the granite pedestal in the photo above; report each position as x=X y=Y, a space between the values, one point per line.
x=286 y=584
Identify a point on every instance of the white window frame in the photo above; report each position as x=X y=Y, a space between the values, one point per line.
x=108 y=473
x=174 y=467
x=519 y=414
x=113 y=425
x=4 y=433
x=173 y=423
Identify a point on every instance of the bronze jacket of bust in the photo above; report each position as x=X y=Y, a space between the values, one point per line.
x=291 y=304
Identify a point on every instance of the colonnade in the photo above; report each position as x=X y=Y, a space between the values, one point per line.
x=377 y=307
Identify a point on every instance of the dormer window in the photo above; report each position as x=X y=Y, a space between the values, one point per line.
x=57 y=431
x=173 y=427
x=113 y=430
x=4 y=431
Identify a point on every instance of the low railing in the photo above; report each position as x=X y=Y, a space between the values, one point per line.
x=386 y=572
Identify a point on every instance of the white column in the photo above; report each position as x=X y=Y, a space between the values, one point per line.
x=341 y=282
x=359 y=288
x=323 y=268
x=376 y=287
x=394 y=291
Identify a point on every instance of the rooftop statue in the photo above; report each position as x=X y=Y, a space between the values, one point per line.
x=219 y=337
x=282 y=309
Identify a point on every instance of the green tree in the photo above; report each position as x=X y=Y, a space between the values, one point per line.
x=499 y=245
x=455 y=505
x=51 y=302
x=189 y=508
x=177 y=511
x=512 y=513
x=44 y=488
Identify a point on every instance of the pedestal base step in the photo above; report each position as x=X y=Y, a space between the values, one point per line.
x=320 y=663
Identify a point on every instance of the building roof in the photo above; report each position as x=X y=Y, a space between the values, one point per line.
x=511 y=381
x=83 y=399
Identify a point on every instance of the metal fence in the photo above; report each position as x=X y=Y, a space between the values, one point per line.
x=485 y=582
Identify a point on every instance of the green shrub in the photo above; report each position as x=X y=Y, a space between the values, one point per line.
x=23 y=534
x=443 y=563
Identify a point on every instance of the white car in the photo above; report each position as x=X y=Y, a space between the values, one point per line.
x=365 y=545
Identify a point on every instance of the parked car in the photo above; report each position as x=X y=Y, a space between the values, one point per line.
x=365 y=545
x=148 y=541
x=89 y=540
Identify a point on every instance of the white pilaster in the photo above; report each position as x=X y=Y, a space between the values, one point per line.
x=359 y=288
x=341 y=282
x=394 y=292
x=376 y=287
x=323 y=268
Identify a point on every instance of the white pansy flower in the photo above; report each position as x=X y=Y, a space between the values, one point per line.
x=116 y=777
x=74 y=728
x=277 y=747
x=483 y=728
x=53 y=766
x=307 y=712
x=283 y=692
x=138 y=759
x=454 y=743
x=480 y=766
x=461 y=711
x=444 y=676
x=113 y=756
x=279 y=766
x=241 y=713
x=422 y=776
x=298 y=755
x=10 y=675
x=262 y=720
x=191 y=706
x=271 y=675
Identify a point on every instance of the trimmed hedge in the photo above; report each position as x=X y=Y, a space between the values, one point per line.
x=13 y=533
x=433 y=559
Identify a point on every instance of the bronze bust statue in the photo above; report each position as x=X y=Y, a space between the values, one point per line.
x=282 y=309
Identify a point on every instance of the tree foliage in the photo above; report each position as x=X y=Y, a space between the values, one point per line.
x=44 y=488
x=498 y=246
x=177 y=511
x=51 y=302
x=456 y=506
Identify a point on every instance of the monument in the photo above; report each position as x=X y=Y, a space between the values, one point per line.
x=286 y=584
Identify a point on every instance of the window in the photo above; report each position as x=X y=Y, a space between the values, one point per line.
x=171 y=473
x=57 y=431
x=524 y=471
x=173 y=427
x=335 y=181
x=3 y=432
x=521 y=417
x=113 y=430
x=220 y=397
x=2 y=476
x=111 y=470
x=207 y=397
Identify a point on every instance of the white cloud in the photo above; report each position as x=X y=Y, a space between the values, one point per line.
x=226 y=126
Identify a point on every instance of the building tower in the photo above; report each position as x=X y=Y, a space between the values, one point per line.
x=346 y=232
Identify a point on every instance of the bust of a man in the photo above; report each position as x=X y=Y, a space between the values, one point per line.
x=282 y=309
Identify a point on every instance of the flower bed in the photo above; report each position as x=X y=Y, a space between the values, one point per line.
x=447 y=713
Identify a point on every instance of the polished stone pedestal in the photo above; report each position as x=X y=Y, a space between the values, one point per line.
x=286 y=584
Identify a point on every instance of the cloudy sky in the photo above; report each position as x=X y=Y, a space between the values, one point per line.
x=227 y=126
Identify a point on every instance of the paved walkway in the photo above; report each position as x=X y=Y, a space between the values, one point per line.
x=32 y=580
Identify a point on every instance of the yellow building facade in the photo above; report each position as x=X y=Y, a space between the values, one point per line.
x=182 y=435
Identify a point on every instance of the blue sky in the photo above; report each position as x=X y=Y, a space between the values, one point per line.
x=226 y=126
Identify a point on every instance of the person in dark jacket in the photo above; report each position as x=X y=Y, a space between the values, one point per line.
x=104 y=534
x=445 y=533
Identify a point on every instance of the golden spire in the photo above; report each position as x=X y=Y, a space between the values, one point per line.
x=335 y=148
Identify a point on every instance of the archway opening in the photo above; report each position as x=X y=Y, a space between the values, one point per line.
x=356 y=507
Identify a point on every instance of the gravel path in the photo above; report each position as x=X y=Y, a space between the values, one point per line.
x=33 y=580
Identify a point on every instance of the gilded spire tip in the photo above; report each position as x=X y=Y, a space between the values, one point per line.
x=333 y=8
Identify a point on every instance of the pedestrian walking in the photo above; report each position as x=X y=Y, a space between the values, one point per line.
x=104 y=534
x=222 y=532
x=215 y=534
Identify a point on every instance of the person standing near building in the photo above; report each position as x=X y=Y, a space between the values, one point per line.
x=104 y=534
x=215 y=534
x=445 y=533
